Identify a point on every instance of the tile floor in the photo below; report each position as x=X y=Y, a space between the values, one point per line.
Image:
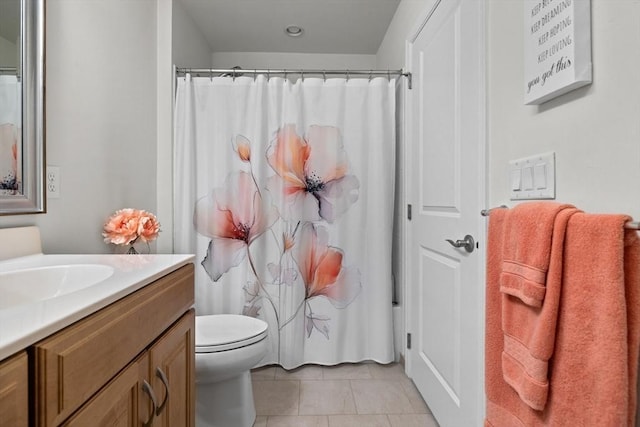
x=347 y=395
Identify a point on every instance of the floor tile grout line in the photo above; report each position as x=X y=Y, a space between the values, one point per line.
x=353 y=396
x=388 y=420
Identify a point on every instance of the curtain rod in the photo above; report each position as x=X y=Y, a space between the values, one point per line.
x=237 y=72
x=631 y=225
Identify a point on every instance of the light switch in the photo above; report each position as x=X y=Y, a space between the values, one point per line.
x=515 y=180
x=540 y=176
x=527 y=178
x=533 y=177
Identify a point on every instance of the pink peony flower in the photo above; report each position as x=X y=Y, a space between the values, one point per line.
x=148 y=226
x=125 y=226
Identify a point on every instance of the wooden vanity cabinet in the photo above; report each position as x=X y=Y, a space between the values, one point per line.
x=129 y=364
x=14 y=391
x=126 y=400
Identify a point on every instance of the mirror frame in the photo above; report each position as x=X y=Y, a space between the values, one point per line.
x=32 y=200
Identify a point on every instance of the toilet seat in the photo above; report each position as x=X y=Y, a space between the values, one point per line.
x=222 y=332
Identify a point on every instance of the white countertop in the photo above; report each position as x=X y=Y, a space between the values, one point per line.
x=24 y=325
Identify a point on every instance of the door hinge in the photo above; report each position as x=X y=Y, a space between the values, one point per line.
x=408 y=341
x=409 y=212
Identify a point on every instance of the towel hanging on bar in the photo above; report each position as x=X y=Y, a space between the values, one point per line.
x=631 y=225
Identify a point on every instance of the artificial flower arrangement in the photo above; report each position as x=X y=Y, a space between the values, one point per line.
x=126 y=226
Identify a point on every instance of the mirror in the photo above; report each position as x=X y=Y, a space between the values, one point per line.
x=21 y=107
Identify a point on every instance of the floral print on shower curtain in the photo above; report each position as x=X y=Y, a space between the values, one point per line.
x=312 y=185
x=275 y=226
x=10 y=136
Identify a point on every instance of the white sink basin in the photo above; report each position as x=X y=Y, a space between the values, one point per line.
x=23 y=286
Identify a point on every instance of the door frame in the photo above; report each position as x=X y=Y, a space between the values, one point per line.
x=409 y=151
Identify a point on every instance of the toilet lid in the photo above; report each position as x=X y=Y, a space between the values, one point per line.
x=221 y=332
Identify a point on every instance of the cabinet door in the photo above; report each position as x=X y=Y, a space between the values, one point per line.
x=75 y=363
x=172 y=374
x=121 y=403
x=14 y=398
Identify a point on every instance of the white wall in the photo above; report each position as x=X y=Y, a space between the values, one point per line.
x=100 y=118
x=164 y=123
x=189 y=46
x=293 y=61
x=391 y=53
x=181 y=44
x=595 y=130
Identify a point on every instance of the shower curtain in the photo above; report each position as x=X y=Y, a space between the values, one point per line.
x=284 y=191
x=10 y=135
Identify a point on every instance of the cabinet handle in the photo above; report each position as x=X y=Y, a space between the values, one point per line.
x=146 y=387
x=163 y=377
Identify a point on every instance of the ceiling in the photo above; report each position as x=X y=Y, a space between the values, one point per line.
x=330 y=26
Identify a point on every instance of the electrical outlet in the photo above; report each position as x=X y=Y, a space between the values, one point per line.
x=53 y=182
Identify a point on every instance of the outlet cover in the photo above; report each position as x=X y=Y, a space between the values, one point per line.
x=53 y=182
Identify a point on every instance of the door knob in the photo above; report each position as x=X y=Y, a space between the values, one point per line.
x=468 y=243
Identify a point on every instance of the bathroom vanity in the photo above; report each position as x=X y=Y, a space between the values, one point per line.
x=120 y=352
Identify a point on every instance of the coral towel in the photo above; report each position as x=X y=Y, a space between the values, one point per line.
x=529 y=228
x=593 y=369
x=531 y=281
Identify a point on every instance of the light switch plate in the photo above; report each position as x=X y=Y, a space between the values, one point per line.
x=537 y=175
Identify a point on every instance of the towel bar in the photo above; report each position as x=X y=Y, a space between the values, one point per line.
x=631 y=225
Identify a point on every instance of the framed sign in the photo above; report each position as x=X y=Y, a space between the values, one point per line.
x=557 y=48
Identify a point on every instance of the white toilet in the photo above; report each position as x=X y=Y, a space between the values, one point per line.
x=227 y=347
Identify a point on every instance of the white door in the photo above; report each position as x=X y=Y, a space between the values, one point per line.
x=446 y=154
